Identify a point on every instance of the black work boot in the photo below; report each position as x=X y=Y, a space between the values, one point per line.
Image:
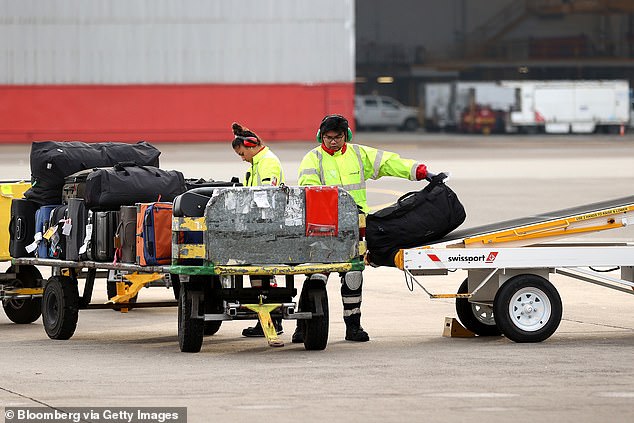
x=354 y=331
x=257 y=332
x=298 y=335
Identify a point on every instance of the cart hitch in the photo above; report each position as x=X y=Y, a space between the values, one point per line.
x=264 y=315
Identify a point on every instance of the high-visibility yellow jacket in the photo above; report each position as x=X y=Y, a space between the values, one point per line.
x=350 y=169
x=265 y=170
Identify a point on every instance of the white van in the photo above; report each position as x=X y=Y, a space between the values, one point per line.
x=379 y=112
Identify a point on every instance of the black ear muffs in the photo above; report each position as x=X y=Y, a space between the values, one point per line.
x=338 y=121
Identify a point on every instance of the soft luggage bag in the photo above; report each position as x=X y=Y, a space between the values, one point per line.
x=42 y=223
x=127 y=184
x=105 y=225
x=21 y=227
x=126 y=234
x=417 y=218
x=78 y=218
x=192 y=203
x=52 y=161
x=58 y=228
x=86 y=249
x=154 y=234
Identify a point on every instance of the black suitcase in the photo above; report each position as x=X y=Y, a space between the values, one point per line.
x=126 y=234
x=78 y=217
x=52 y=161
x=192 y=203
x=21 y=227
x=104 y=228
x=128 y=184
x=57 y=242
x=75 y=185
x=417 y=218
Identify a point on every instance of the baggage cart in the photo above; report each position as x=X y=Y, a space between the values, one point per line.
x=507 y=290
x=260 y=232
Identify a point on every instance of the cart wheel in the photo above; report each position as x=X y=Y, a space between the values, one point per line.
x=190 y=330
x=176 y=285
x=60 y=307
x=28 y=310
x=213 y=304
x=316 y=329
x=477 y=318
x=212 y=326
x=111 y=288
x=527 y=308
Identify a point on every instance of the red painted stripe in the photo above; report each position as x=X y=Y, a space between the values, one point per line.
x=433 y=257
x=167 y=112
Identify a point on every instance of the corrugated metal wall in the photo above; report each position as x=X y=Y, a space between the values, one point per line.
x=176 y=41
x=68 y=68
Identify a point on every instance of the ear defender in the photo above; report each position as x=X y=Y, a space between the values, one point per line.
x=248 y=141
x=337 y=117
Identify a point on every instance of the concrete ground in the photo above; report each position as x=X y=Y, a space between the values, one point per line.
x=408 y=371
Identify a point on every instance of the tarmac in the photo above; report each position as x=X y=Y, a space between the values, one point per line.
x=408 y=371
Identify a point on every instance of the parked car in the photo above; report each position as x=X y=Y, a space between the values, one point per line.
x=380 y=112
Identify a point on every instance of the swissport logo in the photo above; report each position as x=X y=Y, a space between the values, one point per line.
x=468 y=259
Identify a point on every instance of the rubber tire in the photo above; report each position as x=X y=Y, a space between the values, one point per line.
x=176 y=285
x=508 y=291
x=211 y=327
x=190 y=331
x=24 y=312
x=468 y=318
x=213 y=304
x=60 y=307
x=410 y=125
x=111 y=290
x=316 y=329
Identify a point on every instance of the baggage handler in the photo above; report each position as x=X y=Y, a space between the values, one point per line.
x=266 y=169
x=338 y=162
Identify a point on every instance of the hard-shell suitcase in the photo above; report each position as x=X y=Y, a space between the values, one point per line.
x=154 y=234
x=42 y=223
x=58 y=225
x=128 y=184
x=75 y=185
x=104 y=228
x=78 y=217
x=202 y=183
x=21 y=227
x=192 y=203
x=9 y=190
x=126 y=234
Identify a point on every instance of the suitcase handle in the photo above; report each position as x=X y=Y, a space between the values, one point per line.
x=121 y=167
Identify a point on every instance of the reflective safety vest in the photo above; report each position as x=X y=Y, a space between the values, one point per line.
x=265 y=170
x=350 y=169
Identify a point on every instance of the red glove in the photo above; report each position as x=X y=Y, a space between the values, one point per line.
x=421 y=172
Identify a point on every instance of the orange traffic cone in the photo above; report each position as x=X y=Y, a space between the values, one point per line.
x=622 y=130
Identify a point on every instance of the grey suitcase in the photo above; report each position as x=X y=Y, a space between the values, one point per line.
x=126 y=234
x=78 y=215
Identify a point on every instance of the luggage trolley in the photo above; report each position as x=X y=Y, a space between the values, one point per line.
x=256 y=232
x=507 y=290
x=58 y=297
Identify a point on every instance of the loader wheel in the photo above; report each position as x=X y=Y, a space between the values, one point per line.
x=527 y=308
x=410 y=124
x=213 y=304
x=478 y=318
x=191 y=329
x=60 y=307
x=24 y=311
x=212 y=326
x=316 y=329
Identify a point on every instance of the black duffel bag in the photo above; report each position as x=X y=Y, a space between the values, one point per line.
x=128 y=183
x=417 y=218
x=52 y=161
